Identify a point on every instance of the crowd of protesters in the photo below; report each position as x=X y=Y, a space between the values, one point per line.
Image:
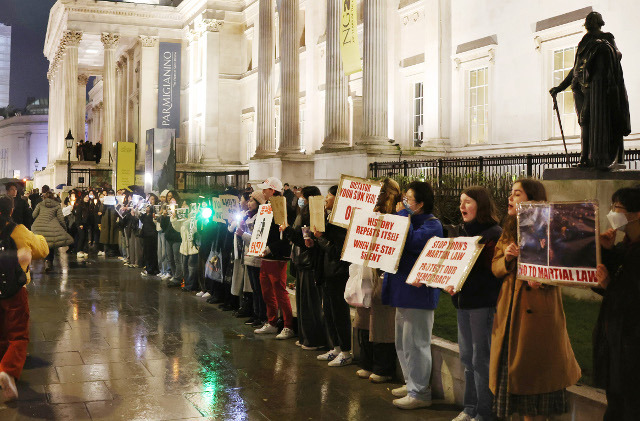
x=512 y=334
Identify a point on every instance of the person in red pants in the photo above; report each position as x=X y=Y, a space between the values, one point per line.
x=14 y=311
x=273 y=272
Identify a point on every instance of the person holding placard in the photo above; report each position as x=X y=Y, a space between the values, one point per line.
x=616 y=337
x=476 y=302
x=415 y=304
x=532 y=362
x=312 y=331
x=149 y=238
x=334 y=274
x=376 y=325
x=108 y=229
x=273 y=272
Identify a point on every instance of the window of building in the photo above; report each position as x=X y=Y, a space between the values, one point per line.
x=478 y=105
x=418 y=113
x=563 y=60
x=4 y=163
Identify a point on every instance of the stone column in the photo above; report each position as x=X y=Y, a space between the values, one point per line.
x=122 y=104
x=118 y=107
x=266 y=146
x=110 y=43
x=289 y=79
x=100 y=129
x=82 y=105
x=71 y=40
x=375 y=79
x=336 y=121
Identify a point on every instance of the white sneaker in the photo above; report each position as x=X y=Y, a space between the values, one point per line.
x=363 y=374
x=206 y=295
x=101 y=253
x=285 y=334
x=8 y=387
x=144 y=273
x=400 y=391
x=80 y=254
x=374 y=378
x=120 y=258
x=409 y=402
x=341 y=360
x=267 y=328
x=328 y=356
x=200 y=294
x=85 y=255
x=463 y=416
x=309 y=348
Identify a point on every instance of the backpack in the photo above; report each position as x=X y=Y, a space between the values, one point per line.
x=12 y=280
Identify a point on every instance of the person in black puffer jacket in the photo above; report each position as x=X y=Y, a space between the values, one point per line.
x=82 y=216
x=476 y=301
x=149 y=236
x=334 y=273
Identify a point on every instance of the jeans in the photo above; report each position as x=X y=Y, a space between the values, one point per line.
x=175 y=261
x=190 y=269
x=259 y=307
x=413 y=346
x=163 y=260
x=474 y=339
x=273 y=279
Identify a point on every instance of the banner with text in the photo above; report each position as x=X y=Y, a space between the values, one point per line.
x=349 y=45
x=125 y=165
x=559 y=242
x=169 y=86
x=230 y=206
x=446 y=262
x=261 y=229
x=375 y=240
x=354 y=193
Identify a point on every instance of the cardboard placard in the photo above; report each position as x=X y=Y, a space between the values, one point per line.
x=353 y=193
x=217 y=208
x=559 y=242
x=230 y=206
x=375 y=240
x=279 y=206
x=261 y=229
x=446 y=262
x=316 y=210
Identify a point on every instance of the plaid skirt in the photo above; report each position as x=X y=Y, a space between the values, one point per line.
x=506 y=404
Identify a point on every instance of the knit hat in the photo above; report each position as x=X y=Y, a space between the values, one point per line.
x=164 y=193
x=259 y=197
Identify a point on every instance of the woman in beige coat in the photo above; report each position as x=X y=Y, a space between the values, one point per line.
x=532 y=362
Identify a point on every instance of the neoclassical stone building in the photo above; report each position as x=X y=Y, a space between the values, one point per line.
x=262 y=86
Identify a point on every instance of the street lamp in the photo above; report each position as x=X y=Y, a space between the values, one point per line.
x=35 y=164
x=69 y=141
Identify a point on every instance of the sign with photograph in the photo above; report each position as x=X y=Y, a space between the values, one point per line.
x=354 y=193
x=446 y=262
x=375 y=240
x=182 y=213
x=261 y=229
x=316 y=210
x=558 y=242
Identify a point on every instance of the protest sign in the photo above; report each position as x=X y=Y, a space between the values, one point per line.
x=316 y=210
x=375 y=240
x=279 y=206
x=156 y=209
x=182 y=213
x=109 y=201
x=559 y=242
x=216 y=206
x=120 y=200
x=230 y=206
x=172 y=209
x=66 y=211
x=261 y=229
x=446 y=262
x=354 y=193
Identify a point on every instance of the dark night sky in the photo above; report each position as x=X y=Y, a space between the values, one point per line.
x=28 y=20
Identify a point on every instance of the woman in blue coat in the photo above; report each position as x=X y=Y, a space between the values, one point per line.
x=414 y=304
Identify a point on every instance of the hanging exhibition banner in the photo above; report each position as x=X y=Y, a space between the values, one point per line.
x=559 y=242
x=261 y=229
x=169 y=86
x=353 y=193
x=446 y=262
x=375 y=240
x=125 y=165
x=316 y=210
x=349 y=45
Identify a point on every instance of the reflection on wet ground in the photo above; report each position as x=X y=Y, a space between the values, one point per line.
x=108 y=345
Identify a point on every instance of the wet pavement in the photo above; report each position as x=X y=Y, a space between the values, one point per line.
x=109 y=345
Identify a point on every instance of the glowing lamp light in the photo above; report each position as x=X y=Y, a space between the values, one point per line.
x=207 y=213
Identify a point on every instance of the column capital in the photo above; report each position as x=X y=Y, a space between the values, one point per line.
x=148 y=41
x=83 y=79
x=191 y=35
x=109 y=41
x=210 y=25
x=71 y=38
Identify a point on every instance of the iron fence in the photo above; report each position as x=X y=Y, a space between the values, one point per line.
x=90 y=177
x=196 y=181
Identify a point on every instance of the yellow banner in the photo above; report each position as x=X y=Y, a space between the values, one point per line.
x=126 y=165
x=349 y=46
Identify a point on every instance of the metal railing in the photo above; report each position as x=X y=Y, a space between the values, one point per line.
x=196 y=181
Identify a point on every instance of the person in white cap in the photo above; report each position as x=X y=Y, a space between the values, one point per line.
x=273 y=272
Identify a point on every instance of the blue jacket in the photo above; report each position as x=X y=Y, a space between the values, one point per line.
x=395 y=291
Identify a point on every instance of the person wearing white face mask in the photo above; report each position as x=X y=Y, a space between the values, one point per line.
x=617 y=333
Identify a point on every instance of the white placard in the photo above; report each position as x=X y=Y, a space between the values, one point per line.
x=261 y=230
x=446 y=262
x=66 y=211
x=376 y=240
x=217 y=208
x=230 y=206
x=109 y=200
x=354 y=193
